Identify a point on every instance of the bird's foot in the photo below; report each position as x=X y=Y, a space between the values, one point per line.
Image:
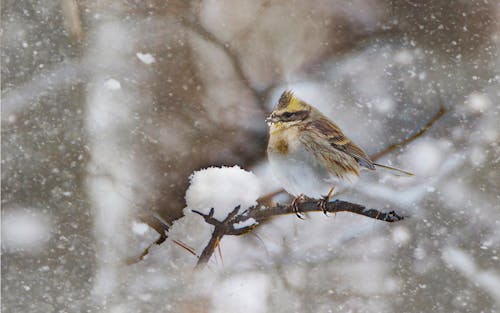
x=296 y=205
x=323 y=204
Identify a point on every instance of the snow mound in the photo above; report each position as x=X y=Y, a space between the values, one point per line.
x=25 y=229
x=222 y=188
x=112 y=84
x=145 y=58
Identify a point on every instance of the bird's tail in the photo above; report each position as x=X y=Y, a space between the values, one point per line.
x=394 y=169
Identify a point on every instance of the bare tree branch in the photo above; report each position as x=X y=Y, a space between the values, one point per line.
x=145 y=252
x=259 y=214
x=60 y=75
x=420 y=132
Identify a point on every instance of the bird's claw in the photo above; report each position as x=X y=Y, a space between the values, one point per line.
x=296 y=206
x=323 y=204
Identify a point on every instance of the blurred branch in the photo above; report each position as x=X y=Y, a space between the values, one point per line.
x=261 y=95
x=258 y=214
x=19 y=99
x=145 y=252
x=160 y=227
x=420 y=132
x=72 y=20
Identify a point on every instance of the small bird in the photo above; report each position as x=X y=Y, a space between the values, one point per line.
x=309 y=155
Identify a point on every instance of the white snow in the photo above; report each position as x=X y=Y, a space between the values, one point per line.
x=145 y=58
x=12 y=118
x=192 y=231
x=246 y=292
x=222 y=188
x=24 y=229
x=477 y=156
x=112 y=84
x=403 y=57
x=139 y=228
x=424 y=157
x=109 y=110
x=410 y=195
x=226 y=19
x=246 y=223
x=478 y=102
x=384 y=105
x=460 y=260
x=401 y=234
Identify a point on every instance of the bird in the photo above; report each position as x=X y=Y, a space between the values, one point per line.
x=309 y=154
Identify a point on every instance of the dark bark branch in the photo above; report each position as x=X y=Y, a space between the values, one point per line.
x=217 y=235
x=260 y=214
x=145 y=252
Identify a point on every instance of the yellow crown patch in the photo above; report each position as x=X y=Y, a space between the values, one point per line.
x=290 y=102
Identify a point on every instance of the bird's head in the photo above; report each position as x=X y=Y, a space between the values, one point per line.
x=289 y=111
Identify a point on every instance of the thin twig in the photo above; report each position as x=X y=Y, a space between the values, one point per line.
x=420 y=132
x=146 y=251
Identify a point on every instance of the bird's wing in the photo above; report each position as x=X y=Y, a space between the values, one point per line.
x=336 y=139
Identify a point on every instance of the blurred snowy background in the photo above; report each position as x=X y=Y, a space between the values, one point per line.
x=109 y=106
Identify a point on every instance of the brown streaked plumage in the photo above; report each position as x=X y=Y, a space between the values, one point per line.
x=339 y=141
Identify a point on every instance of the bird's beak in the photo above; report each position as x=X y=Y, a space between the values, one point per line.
x=270 y=119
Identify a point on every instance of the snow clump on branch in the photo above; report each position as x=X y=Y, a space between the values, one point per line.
x=222 y=188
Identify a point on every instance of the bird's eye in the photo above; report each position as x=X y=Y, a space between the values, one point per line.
x=287 y=115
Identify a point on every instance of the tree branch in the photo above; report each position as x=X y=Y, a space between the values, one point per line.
x=416 y=135
x=259 y=214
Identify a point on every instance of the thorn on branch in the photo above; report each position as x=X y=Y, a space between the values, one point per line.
x=209 y=218
x=233 y=213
